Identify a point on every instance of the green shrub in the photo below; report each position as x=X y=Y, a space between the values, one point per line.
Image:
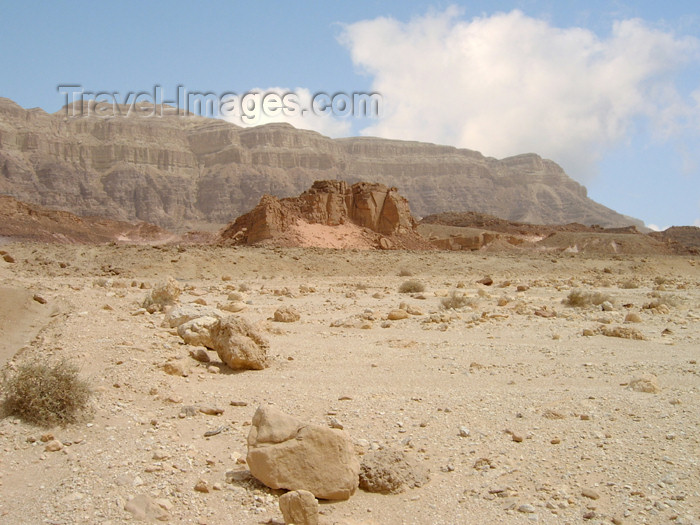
x=45 y=394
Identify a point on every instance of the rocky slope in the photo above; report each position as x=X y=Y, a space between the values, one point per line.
x=189 y=172
x=22 y=221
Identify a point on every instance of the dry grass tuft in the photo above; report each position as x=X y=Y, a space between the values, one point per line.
x=581 y=299
x=457 y=300
x=411 y=286
x=45 y=394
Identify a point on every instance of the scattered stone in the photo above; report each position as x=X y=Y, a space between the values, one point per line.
x=8 y=258
x=238 y=403
x=200 y=354
x=486 y=281
x=607 y=306
x=197 y=332
x=239 y=345
x=555 y=441
x=590 y=493
x=233 y=307
x=175 y=368
x=646 y=383
x=624 y=332
x=179 y=315
x=388 y=471
x=397 y=315
x=527 y=509
x=216 y=431
x=53 y=446
x=464 y=432
x=285 y=453
x=164 y=294
x=633 y=318
x=39 y=299
x=334 y=423
x=202 y=486
x=211 y=411
x=587 y=332
x=145 y=508
x=544 y=312
x=299 y=507
x=286 y=314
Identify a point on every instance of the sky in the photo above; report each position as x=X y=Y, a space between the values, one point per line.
x=610 y=90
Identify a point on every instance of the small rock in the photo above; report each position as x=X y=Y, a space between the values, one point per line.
x=590 y=493
x=633 y=318
x=397 y=315
x=39 y=299
x=464 y=432
x=526 y=509
x=334 y=423
x=647 y=383
x=211 y=411
x=286 y=314
x=238 y=403
x=517 y=438
x=174 y=368
x=299 y=507
x=202 y=486
x=486 y=281
x=607 y=306
x=53 y=446
x=145 y=508
x=200 y=354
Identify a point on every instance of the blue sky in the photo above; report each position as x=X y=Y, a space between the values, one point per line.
x=608 y=89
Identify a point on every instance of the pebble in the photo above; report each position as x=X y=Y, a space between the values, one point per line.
x=590 y=493
x=202 y=486
x=526 y=508
x=464 y=432
x=53 y=446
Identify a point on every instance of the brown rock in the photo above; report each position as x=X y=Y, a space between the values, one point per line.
x=286 y=453
x=197 y=332
x=646 y=383
x=396 y=315
x=299 y=507
x=145 y=508
x=389 y=472
x=286 y=314
x=239 y=345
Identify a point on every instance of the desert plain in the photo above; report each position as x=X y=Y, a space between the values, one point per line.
x=521 y=408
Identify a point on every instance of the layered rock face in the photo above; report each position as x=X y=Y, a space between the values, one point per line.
x=186 y=172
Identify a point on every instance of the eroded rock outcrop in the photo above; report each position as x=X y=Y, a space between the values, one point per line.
x=383 y=216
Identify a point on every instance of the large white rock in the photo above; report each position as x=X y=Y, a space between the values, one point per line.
x=284 y=453
x=197 y=332
x=187 y=312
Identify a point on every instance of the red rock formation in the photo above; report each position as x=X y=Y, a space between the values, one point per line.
x=382 y=214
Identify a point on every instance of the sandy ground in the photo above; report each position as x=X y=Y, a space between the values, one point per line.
x=497 y=371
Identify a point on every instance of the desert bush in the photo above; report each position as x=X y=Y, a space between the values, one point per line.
x=456 y=300
x=581 y=299
x=45 y=394
x=629 y=284
x=411 y=286
x=405 y=272
x=244 y=287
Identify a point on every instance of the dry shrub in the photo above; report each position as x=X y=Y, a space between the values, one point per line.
x=581 y=299
x=457 y=300
x=663 y=299
x=405 y=272
x=629 y=285
x=411 y=286
x=46 y=394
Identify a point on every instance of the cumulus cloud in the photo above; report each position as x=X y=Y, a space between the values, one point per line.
x=507 y=83
x=277 y=104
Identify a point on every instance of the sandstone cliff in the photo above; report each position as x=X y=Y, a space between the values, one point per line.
x=187 y=172
x=379 y=218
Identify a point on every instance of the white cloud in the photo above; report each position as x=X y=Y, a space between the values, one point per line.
x=248 y=109
x=508 y=83
x=655 y=228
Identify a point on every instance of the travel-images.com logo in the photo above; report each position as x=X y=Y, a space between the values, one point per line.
x=249 y=107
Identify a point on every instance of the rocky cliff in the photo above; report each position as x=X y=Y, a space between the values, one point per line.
x=187 y=172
